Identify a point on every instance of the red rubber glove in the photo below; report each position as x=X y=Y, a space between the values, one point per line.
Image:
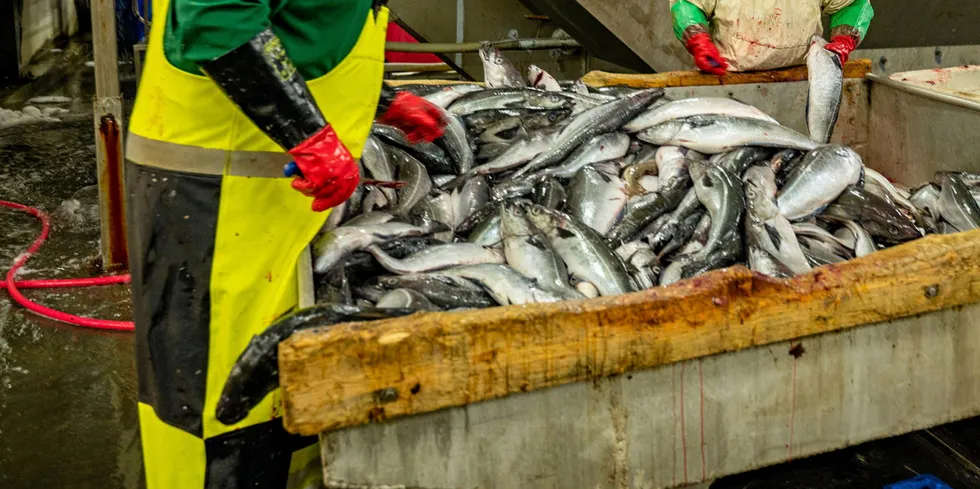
x=706 y=55
x=842 y=45
x=416 y=116
x=329 y=172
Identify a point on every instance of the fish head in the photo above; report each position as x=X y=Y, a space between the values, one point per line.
x=698 y=170
x=490 y=54
x=534 y=75
x=818 y=40
x=541 y=217
x=549 y=100
x=513 y=218
x=760 y=192
x=545 y=118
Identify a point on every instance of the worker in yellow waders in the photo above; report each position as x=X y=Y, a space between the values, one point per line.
x=744 y=35
x=216 y=229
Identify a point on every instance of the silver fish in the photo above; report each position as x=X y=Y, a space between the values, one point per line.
x=416 y=178
x=437 y=258
x=720 y=192
x=375 y=161
x=688 y=107
x=956 y=205
x=874 y=214
x=498 y=70
x=455 y=141
x=530 y=119
x=713 y=134
x=580 y=87
x=898 y=196
x=826 y=87
x=769 y=235
x=584 y=251
x=332 y=247
x=450 y=93
x=643 y=210
x=509 y=98
x=406 y=299
x=488 y=233
x=820 y=253
x=542 y=80
x=375 y=199
x=518 y=154
x=598 y=120
x=597 y=198
x=507 y=286
x=604 y=147
x=550 y=194
x=860 y=241
x=926 y=201
x=737 y=161
x=808 y=230
x=429 y=154
x=819 y=179
x=528 y=251
x=472 y=197
x=442 y=290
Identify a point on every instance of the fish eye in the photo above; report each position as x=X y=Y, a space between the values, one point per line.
x=499 y=61
x=552 y=117
x=893 y=229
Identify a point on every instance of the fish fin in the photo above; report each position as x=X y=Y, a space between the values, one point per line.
x=537 y=243
x=777 y=239
x=564 y=233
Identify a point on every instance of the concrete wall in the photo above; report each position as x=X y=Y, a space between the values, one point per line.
x=483 y=20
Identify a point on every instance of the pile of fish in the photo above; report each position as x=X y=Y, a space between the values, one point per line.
x=541 y=191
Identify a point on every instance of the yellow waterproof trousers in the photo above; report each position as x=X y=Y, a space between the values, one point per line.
x=215 y=235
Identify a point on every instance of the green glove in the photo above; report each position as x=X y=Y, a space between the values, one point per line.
x=687 y=15
x=852 y=20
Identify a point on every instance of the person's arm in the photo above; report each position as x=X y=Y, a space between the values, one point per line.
x=848 y=26
x=691 y=28
x=233 y=43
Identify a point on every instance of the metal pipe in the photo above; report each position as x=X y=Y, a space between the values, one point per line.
x=107 y=108
x=472 y=47
x=460 y=20
x=417 y=67
x=922 y=92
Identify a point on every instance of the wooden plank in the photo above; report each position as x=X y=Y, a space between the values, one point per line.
x=398 y=83
x=857 y=68
x=689 y=421
x=352 y=374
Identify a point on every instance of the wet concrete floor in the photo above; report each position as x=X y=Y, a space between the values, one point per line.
x=67 y=394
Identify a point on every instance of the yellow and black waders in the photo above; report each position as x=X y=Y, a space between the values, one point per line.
x=215 y=235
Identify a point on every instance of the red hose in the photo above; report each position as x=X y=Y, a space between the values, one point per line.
x=12 y=286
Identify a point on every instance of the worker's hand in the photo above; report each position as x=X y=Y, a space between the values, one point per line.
x=328 y=171
x=842 y=45
x=416 y=116
x=706 y=55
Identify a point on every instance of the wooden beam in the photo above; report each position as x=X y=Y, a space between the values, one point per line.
x=352 y=374
x=857 y=68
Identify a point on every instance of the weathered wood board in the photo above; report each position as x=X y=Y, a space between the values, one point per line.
x=353 y=374
x=685 y=422
x=857 y=68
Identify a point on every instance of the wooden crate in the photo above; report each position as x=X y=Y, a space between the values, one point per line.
x=716 y=375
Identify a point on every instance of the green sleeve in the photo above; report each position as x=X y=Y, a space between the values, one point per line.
x=686 y=14
x=857 y=15
x=199 y=31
